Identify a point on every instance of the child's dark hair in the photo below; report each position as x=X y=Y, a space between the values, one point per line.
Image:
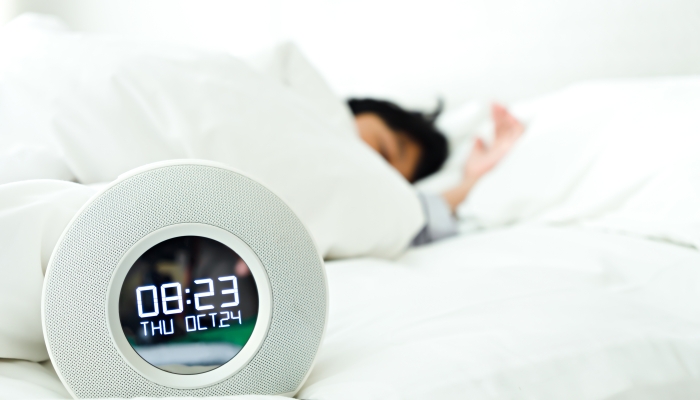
x=416 y=125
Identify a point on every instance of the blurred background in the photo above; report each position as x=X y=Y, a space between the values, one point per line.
x=415 y=51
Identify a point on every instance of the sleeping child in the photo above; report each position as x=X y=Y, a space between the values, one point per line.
x=410 y=142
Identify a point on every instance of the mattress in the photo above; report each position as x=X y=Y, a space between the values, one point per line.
x=529 y=312
x=525 y=312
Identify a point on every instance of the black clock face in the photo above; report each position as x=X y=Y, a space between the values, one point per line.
x=188 y=305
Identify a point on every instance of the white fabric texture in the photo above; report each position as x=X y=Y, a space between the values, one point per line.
x=520 y=313
x=30 y=380
x=613 y=155
x=616 y=155
x=111 y=104
x=33 y=215
x=24 y=162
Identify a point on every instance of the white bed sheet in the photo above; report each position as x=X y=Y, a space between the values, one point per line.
x=31 y=380
x=544 y=313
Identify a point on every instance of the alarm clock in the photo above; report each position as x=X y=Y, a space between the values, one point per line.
x=184 y=278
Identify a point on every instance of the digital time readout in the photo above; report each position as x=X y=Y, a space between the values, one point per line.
x=188 y=305
x=149 y=305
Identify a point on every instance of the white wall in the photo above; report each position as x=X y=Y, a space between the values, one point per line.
x=415 y=51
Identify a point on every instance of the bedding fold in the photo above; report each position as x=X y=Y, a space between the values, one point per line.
x=618 y=156
x=33 y=215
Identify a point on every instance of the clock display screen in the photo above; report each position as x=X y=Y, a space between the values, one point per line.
x=188 y=305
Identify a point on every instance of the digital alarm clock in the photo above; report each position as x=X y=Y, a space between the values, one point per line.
x=184 y=278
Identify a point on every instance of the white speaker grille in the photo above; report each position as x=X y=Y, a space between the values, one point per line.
x=83 y=262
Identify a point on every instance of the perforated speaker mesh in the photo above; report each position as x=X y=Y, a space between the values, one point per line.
x=83 y=262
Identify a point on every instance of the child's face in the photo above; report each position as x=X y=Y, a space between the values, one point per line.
x=400 y=151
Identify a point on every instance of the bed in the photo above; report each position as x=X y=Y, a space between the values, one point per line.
x=579 y=282
x=515 y=313
x=545 y=313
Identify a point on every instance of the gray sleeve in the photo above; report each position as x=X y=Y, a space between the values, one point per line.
x=440 y=223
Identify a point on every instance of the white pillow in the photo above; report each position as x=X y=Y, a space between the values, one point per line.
x=113 y=104
x=23 y=162
x=32 y=216
x=616 y=155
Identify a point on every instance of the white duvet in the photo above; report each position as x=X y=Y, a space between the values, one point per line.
x=580 y=278
x=107 y=104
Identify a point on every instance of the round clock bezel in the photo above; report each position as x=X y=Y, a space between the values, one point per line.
x=222 y=372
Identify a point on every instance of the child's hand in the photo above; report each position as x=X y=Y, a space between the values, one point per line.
x=483 y=158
